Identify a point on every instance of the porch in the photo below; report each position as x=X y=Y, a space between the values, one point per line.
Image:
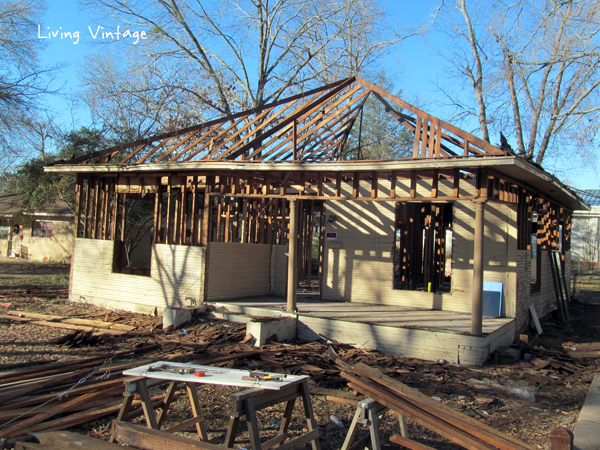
x=411 y=332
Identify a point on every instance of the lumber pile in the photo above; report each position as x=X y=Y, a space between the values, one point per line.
x=31 y=400
x=96 y=326
x=423 y=410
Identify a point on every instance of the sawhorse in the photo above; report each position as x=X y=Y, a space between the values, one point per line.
x=369 y=412
x=246 y=403
x=139 y=386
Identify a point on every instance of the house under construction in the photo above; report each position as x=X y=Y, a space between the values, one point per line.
x=241 y=209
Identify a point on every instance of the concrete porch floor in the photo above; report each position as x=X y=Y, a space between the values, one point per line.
x=426 y=334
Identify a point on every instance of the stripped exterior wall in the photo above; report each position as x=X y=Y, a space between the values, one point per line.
x=544 y=300
x=176 y=278
x=359 y=265
x=236 y=270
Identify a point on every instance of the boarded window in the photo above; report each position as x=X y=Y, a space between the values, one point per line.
x=41 y=229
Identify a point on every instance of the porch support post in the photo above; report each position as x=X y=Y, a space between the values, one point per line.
x=477 y=300
x=292 y=260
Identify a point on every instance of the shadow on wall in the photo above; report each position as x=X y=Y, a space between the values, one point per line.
x=174 y=275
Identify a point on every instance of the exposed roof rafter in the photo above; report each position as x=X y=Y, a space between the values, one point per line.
x=308 y=127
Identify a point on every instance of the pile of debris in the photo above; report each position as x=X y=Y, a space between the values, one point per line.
x=60 y=395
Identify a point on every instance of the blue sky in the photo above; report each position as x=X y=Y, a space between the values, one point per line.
x=412 y=66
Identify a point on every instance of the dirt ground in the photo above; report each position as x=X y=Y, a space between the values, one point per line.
x=557 y=371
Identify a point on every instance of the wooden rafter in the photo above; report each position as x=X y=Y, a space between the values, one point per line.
x=308 y=127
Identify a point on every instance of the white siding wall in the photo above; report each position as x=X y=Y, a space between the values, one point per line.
x=177 y=277
x=238 y=270
x=279 y=266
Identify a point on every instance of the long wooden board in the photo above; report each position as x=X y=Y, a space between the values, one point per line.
x=88 y=322
x=461 y=421
x=67 y=326
x=149 y=439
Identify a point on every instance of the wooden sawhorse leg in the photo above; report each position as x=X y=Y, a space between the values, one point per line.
x=123 y=412
x=246 y=403
x=369 y=412
x=138 y=385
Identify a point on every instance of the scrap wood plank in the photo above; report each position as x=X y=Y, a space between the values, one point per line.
x=95 y=413
x=18 y=428
x=220 y=359
x=38 y=399
x=14 y=392
x=420 y=416
x=149 y=439
x=52 y=369
x=28 y=412
x=36 y=362
x=68 y=440
x=78 y=418
x=89 y=322
x=442 y=411
x=407 y=443
x=66 y=326
x=24 y=377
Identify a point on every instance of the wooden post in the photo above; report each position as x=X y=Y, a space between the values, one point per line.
x=309 y=244
x=561 y=439
x=157 y=204
x=194 y=221
x=321 y=247
x=168 y=226
x=78 y=201
x=123 y=217
x=88 y=214
x=206 y=213
x=115 y=209
x=292 y=260
x=477 y=299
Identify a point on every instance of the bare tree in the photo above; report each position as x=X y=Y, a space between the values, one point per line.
x=533 y=68
x=134 y=97
x=240 y=54
x=22 y=80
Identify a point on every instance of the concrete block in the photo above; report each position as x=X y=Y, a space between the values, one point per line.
x=279 y=329
x=173 y=317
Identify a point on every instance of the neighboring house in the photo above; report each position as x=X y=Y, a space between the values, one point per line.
x=234 y=203
x=41 y=236
x=586 y=229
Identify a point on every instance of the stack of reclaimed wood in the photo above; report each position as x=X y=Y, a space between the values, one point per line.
x=95 y=326
x=31 y=401
x=423 y=410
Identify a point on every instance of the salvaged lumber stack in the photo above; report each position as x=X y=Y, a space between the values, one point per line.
x=60 y=395
x=93 y=326
x=423 y=410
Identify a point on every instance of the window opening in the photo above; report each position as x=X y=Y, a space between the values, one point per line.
x=4 y=233
x=135 y=233
x=42 y=229
x=423 y=247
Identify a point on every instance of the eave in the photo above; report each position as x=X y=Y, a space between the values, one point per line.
x=513 y=167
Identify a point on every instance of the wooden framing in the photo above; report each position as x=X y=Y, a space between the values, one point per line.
x=251 y=207
x=307 y=127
